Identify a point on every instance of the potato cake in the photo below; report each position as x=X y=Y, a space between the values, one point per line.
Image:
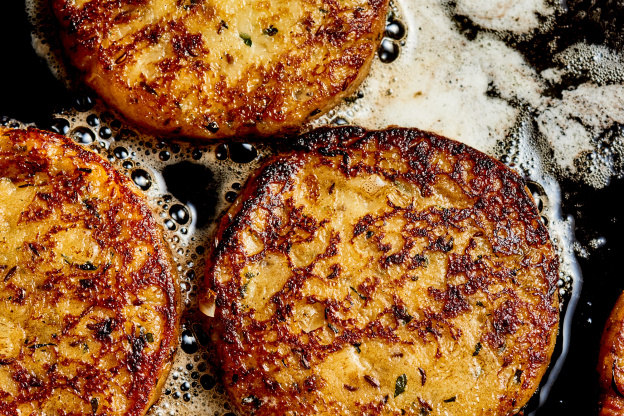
x=385 y=272
x=88 y=289
x=211 y=70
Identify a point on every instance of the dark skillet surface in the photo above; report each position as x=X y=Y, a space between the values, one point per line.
x=31 y=94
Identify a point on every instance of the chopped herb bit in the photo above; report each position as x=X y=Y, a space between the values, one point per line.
x=358 y=293
x=270 y=31
x=94 y=405
x=333 y=328
x=249 y=275
x=37 y=346
x=399 y=386
x=351 y=99
x=67 y=259
x=518 y=376
x=322 y=10
x=369 y=234
x=150 y=337
x=357 y=348
x=246 y=38
x=414 y=278
x=85 y=348
x=479 y=303
x=477 y=349
x=452 y=399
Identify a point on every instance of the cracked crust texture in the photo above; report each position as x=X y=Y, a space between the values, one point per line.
x=88 y=292
x=611 y=363
x=211 y=70
x=382 y=273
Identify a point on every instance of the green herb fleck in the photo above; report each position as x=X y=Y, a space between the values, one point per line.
x=452 y=399
x=357 y=348
x=249 y=275
x=246 y=38
x=477 y=349
x=480 y=304
x=94 y=405
x=67 y=259
x=150 y=337
x=358 y=293
x=85 y=348
x=399 y=386
x=333 y=328
x=518 y=376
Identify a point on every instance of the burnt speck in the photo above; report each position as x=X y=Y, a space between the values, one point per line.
x=103 y=329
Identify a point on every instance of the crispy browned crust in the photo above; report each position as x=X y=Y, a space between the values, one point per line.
x=96 y=336
x=611 y=362
x=491 y=304
x=203 y=76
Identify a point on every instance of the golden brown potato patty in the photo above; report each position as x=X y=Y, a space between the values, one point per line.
x=384 y=272
x=88 y=293
x=217 y=69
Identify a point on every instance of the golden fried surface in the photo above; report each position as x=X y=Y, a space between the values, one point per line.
x=215 y=69
x=88 y=298
x=611 y=363
x=391 y=272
